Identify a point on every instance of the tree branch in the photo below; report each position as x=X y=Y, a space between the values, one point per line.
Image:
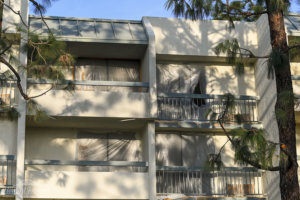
x=38 y=7
x=6 y=49
x=293 y=46
x=42 y=93
x=2 y=60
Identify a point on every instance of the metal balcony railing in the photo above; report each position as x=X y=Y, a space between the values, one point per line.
x=198 y=182
x=196 y=106
x=7 y=174
x=7 y=93
x=100 y=166
x=94 y=85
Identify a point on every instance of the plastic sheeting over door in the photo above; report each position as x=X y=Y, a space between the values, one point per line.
x=189 y=150
x=107 y=70
x=108 y=147
x=181 y=78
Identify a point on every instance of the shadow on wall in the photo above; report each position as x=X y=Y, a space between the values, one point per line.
x=96 y=103
x=186 y=37
x=189 y=150
x=181 y=37
x=86 y=185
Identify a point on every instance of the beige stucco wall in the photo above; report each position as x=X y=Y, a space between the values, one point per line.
x=295 y=70
x=86 y=185
x=220 y=77
x=8 y=137
x=266 y=90
x=187 y=37
x=298 y=138
x=95 y=104
x=9 y=18
x=50 y=144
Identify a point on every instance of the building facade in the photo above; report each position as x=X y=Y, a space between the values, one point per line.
x=135 y=126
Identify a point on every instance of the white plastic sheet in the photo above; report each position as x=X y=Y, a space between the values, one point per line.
x=179 y=149
x=108 y=147
x=180 y=78
x=106 y=70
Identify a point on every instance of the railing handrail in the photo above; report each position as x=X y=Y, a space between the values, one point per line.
x=91 y=83
x=184 y=168
x=87 y=163
x=204 y=96
x=7 y=157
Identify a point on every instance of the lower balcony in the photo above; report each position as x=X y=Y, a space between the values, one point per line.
x=86 y=180
x=197 y=183
x=7 y=175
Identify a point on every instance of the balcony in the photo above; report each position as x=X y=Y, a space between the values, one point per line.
x=86 y=179
x=177 y=182
x=8 y=97
x=95 y=99
x=7 y=175
x=188 y=108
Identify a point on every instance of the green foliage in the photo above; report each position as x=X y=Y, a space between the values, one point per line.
x=251 y=145
x=294 y=53
x=35 y=112
x=279 y=5
x=194 y=9
x=235 y=55
x=47 y=59
x=277 y=60
x=213 y=162
x=236 y=10
x=40 y=6
x=9 y=113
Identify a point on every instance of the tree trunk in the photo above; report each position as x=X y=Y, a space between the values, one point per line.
x=289 y=186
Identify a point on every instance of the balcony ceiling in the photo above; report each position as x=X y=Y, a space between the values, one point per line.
x=292 y=23
x=92 y=123
x=91 y=30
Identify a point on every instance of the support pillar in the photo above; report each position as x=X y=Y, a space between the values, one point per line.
x=20 y=169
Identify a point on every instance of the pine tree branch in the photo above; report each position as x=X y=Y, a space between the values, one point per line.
x=38 y=7
x=6 y=49
x=293 y=46
x=42 y=94
x=245 y=159
x=25 y=96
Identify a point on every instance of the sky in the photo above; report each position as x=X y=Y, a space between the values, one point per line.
x=115 y=9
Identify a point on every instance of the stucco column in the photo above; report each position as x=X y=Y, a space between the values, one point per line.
x=20 y=173
x=150 y=138
x=149 y=61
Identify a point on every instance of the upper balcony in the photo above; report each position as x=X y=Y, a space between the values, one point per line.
x=96 y=99
x=192 y=110
x=112 y=75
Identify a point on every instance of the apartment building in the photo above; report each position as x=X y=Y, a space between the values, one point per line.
x=135 y=126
